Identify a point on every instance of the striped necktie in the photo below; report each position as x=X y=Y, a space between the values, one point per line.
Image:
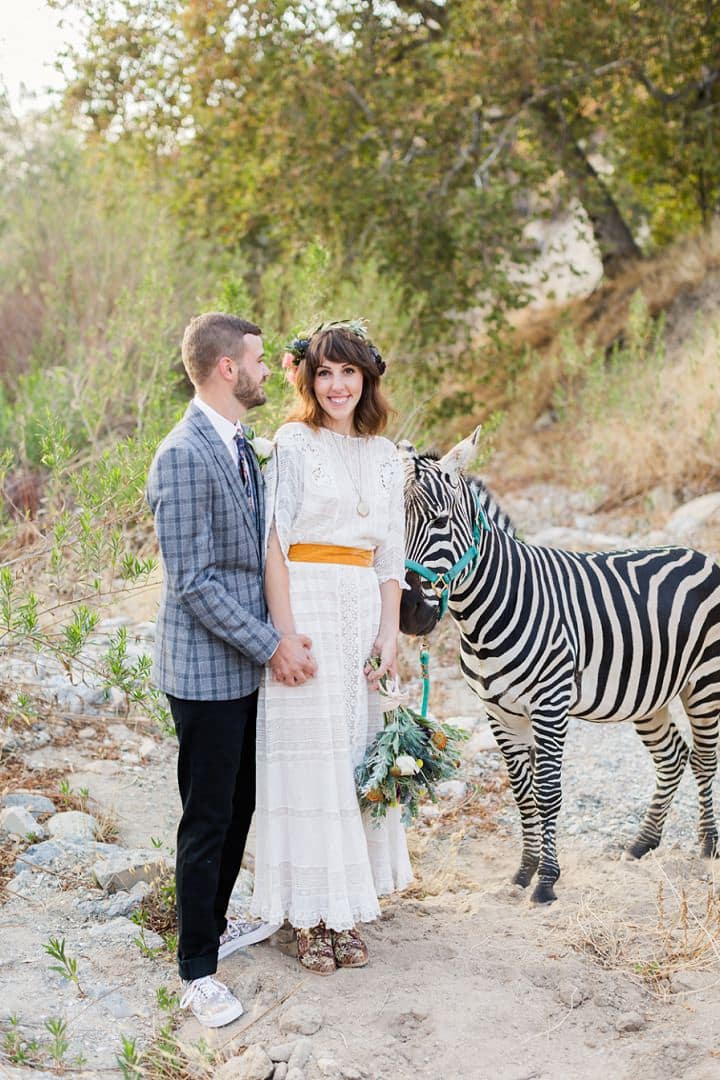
x=245 y=468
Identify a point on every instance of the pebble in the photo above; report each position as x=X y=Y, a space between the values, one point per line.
x=36 y=804
x=451 y=789
x=349 y=1072
x=630 y=1022
x=281 y=1071
x=254 y=1064
x=281 y=1051
x=294 y=1074
x=572 y=993
x=328 y=1067
x=18 y=821
x=301 y=1019
x=72 y=825
x=300 y=1055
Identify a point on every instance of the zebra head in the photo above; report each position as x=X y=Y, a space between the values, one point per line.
x=440 y=529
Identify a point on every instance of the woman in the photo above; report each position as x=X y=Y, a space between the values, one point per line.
x=334 y=571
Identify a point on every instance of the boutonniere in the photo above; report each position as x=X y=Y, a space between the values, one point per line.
x=262 y=448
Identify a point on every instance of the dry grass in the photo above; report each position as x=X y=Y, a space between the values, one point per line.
x=157 y=911
x=635 y=425
x=682 y=934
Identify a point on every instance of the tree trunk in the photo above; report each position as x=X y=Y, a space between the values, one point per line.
x=611 y=232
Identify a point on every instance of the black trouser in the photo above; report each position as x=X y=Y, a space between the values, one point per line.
x=216 y=776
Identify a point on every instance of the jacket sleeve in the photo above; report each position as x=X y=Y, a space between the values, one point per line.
x=180 y=496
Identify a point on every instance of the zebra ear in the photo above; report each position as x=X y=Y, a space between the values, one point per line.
x=454 y=462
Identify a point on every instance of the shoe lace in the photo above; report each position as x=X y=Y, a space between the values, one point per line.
x=200 y=989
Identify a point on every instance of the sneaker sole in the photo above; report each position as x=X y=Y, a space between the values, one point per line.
x=252 y=938
x=231 y=1013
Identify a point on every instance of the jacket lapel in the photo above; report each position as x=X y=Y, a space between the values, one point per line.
x=197 y=419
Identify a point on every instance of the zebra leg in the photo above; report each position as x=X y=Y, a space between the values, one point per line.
x=549 y=745
x=518 y=757
x=669 y=752
x=704 y=762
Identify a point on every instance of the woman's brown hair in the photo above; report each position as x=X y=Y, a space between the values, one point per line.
x=341 y=346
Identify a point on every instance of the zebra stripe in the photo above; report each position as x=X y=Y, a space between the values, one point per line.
x=548 y=634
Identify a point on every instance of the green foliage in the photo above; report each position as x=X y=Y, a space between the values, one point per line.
x=67 y=965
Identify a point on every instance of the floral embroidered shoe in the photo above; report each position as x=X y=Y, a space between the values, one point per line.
x=349 y=948
x=315 y=949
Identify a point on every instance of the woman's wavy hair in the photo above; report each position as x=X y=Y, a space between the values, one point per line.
x=341 y=345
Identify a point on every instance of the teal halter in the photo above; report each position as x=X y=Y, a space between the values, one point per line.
x=441 y=583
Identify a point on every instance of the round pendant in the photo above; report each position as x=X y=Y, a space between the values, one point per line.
x=362 y=508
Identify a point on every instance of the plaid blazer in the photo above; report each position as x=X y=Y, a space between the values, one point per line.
x=212 y=636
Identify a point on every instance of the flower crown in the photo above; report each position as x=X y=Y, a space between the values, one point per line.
x=296 y=351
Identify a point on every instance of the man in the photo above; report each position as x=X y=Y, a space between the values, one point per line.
x=213 y=639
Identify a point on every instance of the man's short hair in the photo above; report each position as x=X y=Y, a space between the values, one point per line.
x=208 y=337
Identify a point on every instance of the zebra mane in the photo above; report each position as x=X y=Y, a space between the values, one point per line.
x=493 y=510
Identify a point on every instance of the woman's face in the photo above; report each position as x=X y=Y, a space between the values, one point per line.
x=338 y=388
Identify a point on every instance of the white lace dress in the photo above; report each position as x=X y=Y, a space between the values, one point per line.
x=317 y=857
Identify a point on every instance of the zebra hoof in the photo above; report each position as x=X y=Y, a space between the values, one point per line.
x=638 y=848
x=543 y=893
x=709 y=848
x=525 y=874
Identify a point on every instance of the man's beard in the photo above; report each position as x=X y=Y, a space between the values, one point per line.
x=247 y=392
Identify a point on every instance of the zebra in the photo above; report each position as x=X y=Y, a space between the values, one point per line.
x=548 y=634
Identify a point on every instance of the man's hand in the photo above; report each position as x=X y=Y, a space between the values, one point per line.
x=293 y=663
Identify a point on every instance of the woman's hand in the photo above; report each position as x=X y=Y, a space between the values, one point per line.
x=386 y=649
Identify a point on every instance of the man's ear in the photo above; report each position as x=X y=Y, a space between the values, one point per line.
x=454 y=462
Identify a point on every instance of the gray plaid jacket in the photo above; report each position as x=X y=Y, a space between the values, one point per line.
x=212 y=637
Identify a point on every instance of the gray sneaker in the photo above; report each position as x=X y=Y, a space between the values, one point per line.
x=210 y=1002
x=241 y=932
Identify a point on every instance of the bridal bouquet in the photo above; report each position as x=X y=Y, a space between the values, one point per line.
x=403 y=762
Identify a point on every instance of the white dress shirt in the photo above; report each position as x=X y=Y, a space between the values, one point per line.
x=225 y=428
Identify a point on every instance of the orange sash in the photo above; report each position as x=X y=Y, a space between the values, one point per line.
x=330 y=553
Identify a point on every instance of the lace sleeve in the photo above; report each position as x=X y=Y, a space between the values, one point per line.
x=284 y=491
x=390 y=553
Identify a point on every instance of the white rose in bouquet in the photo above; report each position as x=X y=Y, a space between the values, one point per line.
x=407 y=765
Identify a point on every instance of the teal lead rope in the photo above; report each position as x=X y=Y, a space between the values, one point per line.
x=425 y=672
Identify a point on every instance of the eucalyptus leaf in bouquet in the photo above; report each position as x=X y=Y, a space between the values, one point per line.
x=407 y=758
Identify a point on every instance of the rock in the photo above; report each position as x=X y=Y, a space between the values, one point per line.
x=451 y=789
x=87 y=733
x=328 y=1067
x=281 y=1071
x=349 y=1072
x=120 y=931
x=72 y=825
x=119 y=904
x=301 y=1019
x=124 y=869
x=254 y=1064
x=61 y=854
x=572 y=993
x=429 y=810
x=480 y=742
x=17 y=821
x=300 y=1053
x=630 y=1022
x=36 y=804
x=281 y=1051
x=693 y=514
x=294 y=1074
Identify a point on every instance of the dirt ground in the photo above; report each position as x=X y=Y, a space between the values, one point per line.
x=467 y=980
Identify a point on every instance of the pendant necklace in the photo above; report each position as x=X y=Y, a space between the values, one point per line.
x=361 y=506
